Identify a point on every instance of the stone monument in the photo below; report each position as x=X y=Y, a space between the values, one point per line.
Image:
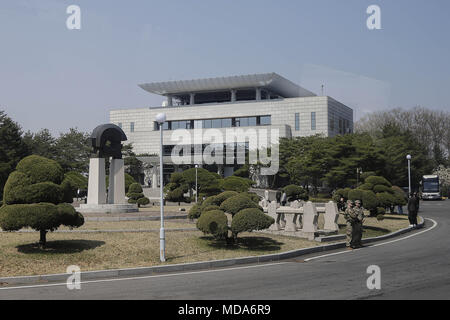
x=106 y=141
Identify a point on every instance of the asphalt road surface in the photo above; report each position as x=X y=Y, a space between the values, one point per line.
x=412 y=266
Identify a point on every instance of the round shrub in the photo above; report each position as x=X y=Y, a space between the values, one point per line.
x=378 y=180
x=35 y=193
x=380 y=217
x=40 y=169
x=213 y=222
x=194 y=212
x=381 y=210
x=253 y=196
x=129 y=180
x=382 y=188
x=385 y=199
x=341 y=193
x=234 y=183
x=135 y=196
x=135 y=188
x=294 y=192
x=212 y=200
x=143 y=201
x=221 y=197
x=132 y=201
x=355 y=194
x=366 y=186
x=209 y=208
x=369 y=199
x=236 y=203
x=16 y=181
x=250 y=219
x=68 y=216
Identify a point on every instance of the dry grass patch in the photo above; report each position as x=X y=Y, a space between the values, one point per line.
x=134 y=225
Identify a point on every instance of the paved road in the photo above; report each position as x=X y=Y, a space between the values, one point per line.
x=413 y=266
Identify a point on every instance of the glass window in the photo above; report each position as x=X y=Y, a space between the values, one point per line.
x=313 y=121
x=132 y=127
x=207 y=124
x=198 y=124
x=216 y=123
x=174 y=125
x=252 y=121
x=226 y=123
x=265 y=120
x=297 y=121
x=243 y=122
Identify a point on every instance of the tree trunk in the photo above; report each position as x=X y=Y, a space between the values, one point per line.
x=43 y=240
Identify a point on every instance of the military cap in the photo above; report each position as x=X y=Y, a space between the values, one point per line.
x=349 y=202
x=358 y=201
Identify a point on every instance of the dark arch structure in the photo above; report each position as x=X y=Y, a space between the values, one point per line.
x=106 y=141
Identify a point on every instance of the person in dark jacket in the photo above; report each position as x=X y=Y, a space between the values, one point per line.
x=412 y=210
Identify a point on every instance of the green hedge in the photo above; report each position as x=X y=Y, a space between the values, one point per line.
x=382 y=188
x=143 y=201
x=135 y=196
x=221 y=197
x=251 y=219
x=213 y=222
x=236 y=203
x=209 y=208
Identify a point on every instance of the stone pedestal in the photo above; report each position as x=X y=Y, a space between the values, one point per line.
x=97 y=182
x=272 y=211
x=331 y=216
x=116 y=190
x=310 y=218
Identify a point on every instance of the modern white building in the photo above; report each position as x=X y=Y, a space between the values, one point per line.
x=251 y=101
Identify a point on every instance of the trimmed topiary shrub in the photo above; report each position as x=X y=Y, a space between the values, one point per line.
x=294 y=192
x=341 y=193
x=71 y=183
x=135 y=188
x=195 y=211
x=366 y=186
x=253 y=196
x=213 y=222
x=374 y=180
x=221 y=197
x=32 y=201
x=143 y=201
x=234 y=183
x=236 y=203
x=382 y=188
x=385 y=199
x=250 y=219
x=209 y=208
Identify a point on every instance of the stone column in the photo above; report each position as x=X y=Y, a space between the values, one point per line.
x=258 y=94
x=310 y=217
x=233 y=95
x=97 y=181
x=192 y=99
x=116 y=192
x=272 y=211
x=169 y=101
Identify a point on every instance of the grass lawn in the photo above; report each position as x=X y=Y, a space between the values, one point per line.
x=20 y=255
x=134 y=225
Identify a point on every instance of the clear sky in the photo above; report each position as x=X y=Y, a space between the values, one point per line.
x=52 y=77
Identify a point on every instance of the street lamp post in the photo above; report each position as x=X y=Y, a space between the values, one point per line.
x=161 y=118
x=196 y=188
x=408 y=157
x=358 y=172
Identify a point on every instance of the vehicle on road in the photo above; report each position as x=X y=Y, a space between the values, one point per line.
x=430 y=188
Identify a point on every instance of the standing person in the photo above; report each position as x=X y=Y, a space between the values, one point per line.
x=283 y=198
x=412 y=210
x=358 y=225
x=349 y=218
x=341 y=204
x=278 y=196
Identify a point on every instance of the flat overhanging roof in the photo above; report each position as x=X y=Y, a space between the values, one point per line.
x=270 y=81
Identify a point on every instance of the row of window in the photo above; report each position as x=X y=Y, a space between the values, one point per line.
x=297 y=121
x=131 y=126
x=215 y=123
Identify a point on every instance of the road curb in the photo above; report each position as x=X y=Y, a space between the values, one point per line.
x=214 y=264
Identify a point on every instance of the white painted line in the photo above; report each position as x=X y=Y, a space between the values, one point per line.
x=375 y=245
x=144 y=277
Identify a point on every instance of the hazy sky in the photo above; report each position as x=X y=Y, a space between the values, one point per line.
x=52 y=77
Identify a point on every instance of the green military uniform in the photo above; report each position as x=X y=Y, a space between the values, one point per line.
x=357 y=225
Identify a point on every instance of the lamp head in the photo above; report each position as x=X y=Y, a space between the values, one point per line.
x=408 y=157
x=161 y=118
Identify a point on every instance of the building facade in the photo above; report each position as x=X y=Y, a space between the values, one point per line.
x=261 y=101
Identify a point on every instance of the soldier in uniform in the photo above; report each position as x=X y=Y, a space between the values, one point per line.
x=349 y=216
x=358 y=225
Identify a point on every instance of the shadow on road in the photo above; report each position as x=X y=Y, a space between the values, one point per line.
x=61 y=246
x=247 y=243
